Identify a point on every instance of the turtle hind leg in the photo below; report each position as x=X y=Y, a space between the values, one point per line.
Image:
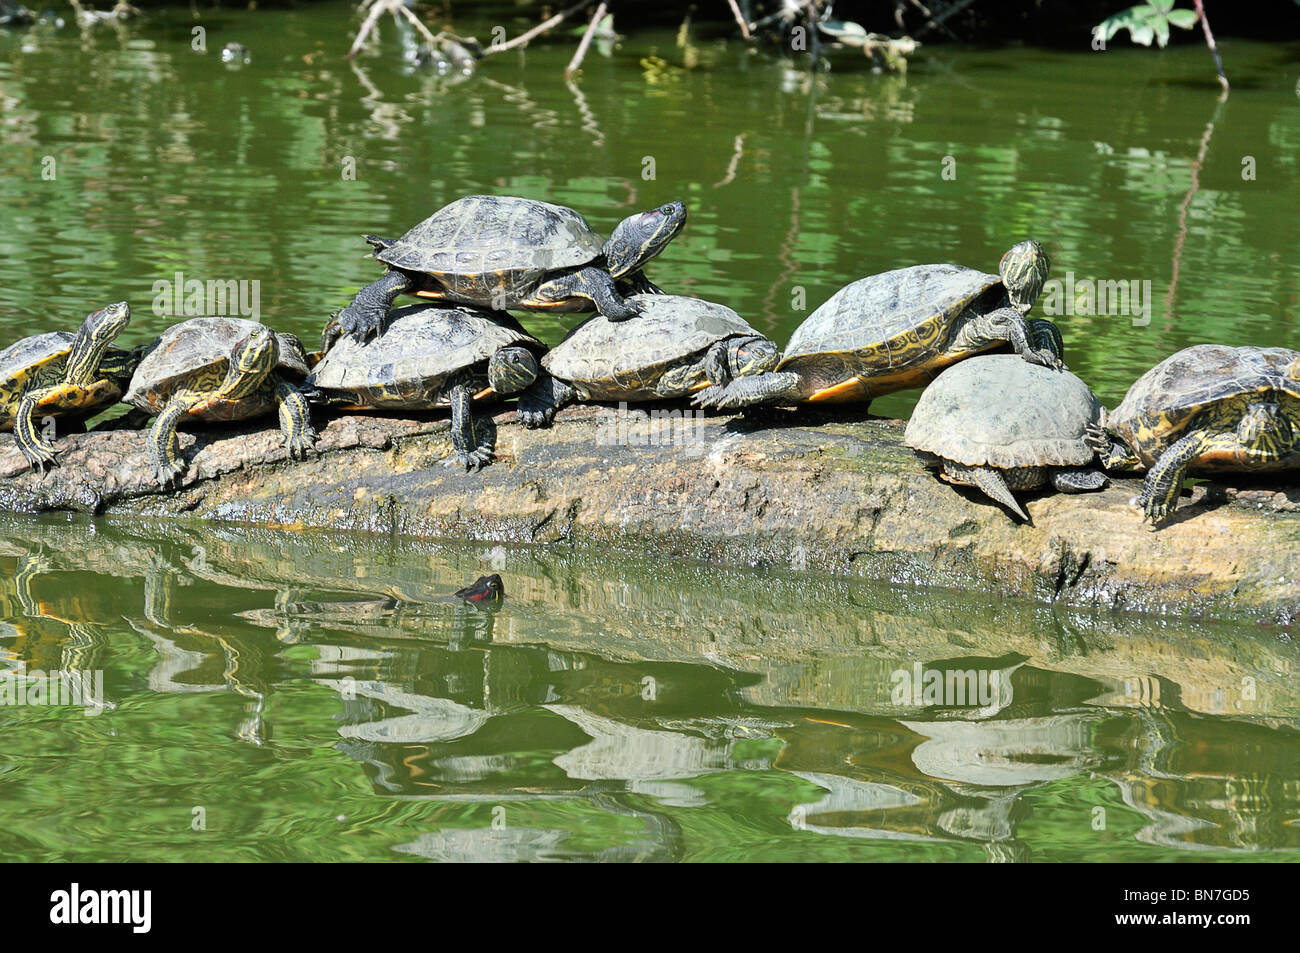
x=1078 y=479
x=989 y=482
x=473 y=445
x=368 y=312
x=295 y=420
x=770 y=387
x=540 y=401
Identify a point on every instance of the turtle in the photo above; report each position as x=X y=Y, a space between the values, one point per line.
x=63 y=376
x=677 y=346
x=1207 y=407
x=504 y=252
x=900 y=328
x=220 y=369
x=432 y=356
x=1000 y=423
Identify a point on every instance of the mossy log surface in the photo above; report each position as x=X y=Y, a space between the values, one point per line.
x=786 y=490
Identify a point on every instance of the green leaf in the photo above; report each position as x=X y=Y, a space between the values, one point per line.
x=1142 y=34
x=1185 y=19
x=1161 y=6
x=1161 y=26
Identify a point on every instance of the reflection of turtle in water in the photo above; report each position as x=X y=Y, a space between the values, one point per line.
x=221 y=369
x=899 y=329
x=999 y=423
x=63 y=376
x=504 y=252
x=1208 y=407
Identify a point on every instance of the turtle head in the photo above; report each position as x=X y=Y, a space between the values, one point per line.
x=94 y=336
x=511 y=369
x=1263 y=427
x=640 y=237
x=1024 y=271
x=251 y=359
x=752 y=355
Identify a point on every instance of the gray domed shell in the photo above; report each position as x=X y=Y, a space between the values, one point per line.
x=196 y=345
x=906 y=301
x=483 y=241
x=423 y=345
x=1001 y=411
x=669 y=329
x=22 y=356
x=1164 y=401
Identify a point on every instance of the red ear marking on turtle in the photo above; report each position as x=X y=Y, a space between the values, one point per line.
x=485 y=392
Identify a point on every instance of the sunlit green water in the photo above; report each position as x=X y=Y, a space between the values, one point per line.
x=626 y=710
x=325 y=697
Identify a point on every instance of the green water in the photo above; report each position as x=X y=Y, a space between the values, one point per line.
x=323 y=697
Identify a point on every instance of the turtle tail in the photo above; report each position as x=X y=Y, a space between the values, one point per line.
x=989 y=482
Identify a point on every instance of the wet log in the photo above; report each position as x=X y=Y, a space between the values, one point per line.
x=786 y=490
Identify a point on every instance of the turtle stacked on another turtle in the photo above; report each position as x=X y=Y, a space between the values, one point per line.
x=503 y=252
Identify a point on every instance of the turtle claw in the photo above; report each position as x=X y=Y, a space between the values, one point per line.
x=711 y=397
x=40 y=456
x=1097 y=439
x=301 y=445
x=474 y=459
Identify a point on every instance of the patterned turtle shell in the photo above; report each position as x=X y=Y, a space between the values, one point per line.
x=484 y=245
x=1202 y=386
x=410 y=365
x=612 y=360
x=893 y=328
x=32 y=362
x=195 y=354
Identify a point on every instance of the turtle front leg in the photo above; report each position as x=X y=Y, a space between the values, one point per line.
x=595 y=284
x=542 y=399
x=1008 y=324
x=39 y=452
x=368 y=312
x=164 y=444
x=1165 y=481
x=472 y=449
x=295 y=420
x=1114 y=454
x=770 y=388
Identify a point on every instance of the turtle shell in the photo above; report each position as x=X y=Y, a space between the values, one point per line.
x=484 y=245
x=1193 y=385
x=893 y=328
x=29 y=358
x=35 y=360
x=410 y=364
x=1001 y=411
x=196 y=353
x=625 y=360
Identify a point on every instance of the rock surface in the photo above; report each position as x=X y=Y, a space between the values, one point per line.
x=786 y=489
